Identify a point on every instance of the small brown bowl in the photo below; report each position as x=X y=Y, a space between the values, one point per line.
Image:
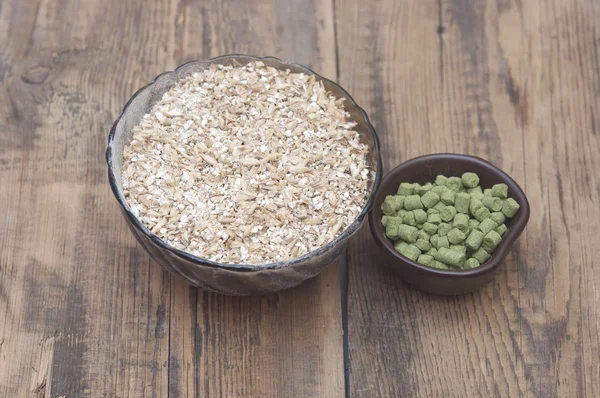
x=424 y=169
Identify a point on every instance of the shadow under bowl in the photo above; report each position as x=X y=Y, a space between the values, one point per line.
x=422 y=170
x=233 y=279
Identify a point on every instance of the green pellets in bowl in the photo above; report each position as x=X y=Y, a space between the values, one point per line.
x=449 y=223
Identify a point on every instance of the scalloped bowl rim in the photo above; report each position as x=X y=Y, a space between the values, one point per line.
x=204 y=262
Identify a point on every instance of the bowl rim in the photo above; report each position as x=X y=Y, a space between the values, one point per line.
x=499 y=253
x=204 y=262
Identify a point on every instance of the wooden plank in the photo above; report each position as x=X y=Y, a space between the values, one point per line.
x=560 y=317
x=515 y=82
x=83 y=310
x=289 y=344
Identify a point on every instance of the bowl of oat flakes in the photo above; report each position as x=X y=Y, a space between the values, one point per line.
x=243 y=175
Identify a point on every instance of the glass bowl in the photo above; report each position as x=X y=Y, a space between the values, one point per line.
x=233 y=279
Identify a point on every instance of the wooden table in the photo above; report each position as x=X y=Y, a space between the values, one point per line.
x=85 y=312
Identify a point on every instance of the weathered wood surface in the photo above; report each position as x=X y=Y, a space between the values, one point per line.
x=85 y=312
x=516 y=82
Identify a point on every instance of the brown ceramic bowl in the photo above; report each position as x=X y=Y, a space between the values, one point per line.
x=424 y=169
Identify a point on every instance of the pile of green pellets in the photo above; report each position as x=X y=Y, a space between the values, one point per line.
x=450 y=224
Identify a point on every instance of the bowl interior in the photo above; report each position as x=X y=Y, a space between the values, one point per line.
x=142 y=102
x=424 y=169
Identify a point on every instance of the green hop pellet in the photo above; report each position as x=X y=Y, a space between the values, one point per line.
x=444 y=228
x=394 y=220
x=409 y=218
x=392 y=204
x=400 y=245
x=438 y=189
x=419 y=226
x=461 y=221
x=455 y=236
x=439 y=265
x=423 y=189
x=501 y=229
x=450 y=257
x=492 y=203
x=475 y=205
x=443 y=242
x=413 y=202
x=411 y=251
x=425 y=259
x=454 y=183
x=473 y=224
x=448 y=213
x=423 y=245
x=490 y=241
x=391 y=231
x=500 y=191
x=482 y=213
x=487 y=192
x=423 y=235
x=432 y=251
x=433 y=211
x=459 y=248
x=420 y=216
x=392 y=226
x=487 y=225
x=440 y=206
x=476 y=193
x=474 y=239
x=430 y=228
x=471 y=263
x=407 y=233
x=401 y=213
x=440 y=180
x=470 y=180
x=481 y=255
x=405 y=189
x=384 y=220
x=416 y=187
x=498 y=217
x=510 y=207
x=461 y=202
x=430 y=199
x=434 y=239
x=448 y=197
x=434 y=219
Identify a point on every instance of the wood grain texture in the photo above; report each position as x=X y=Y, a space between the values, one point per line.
x=83 y=310
x=515 y=82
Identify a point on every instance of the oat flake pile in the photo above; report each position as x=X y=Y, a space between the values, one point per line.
x=247 y=164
